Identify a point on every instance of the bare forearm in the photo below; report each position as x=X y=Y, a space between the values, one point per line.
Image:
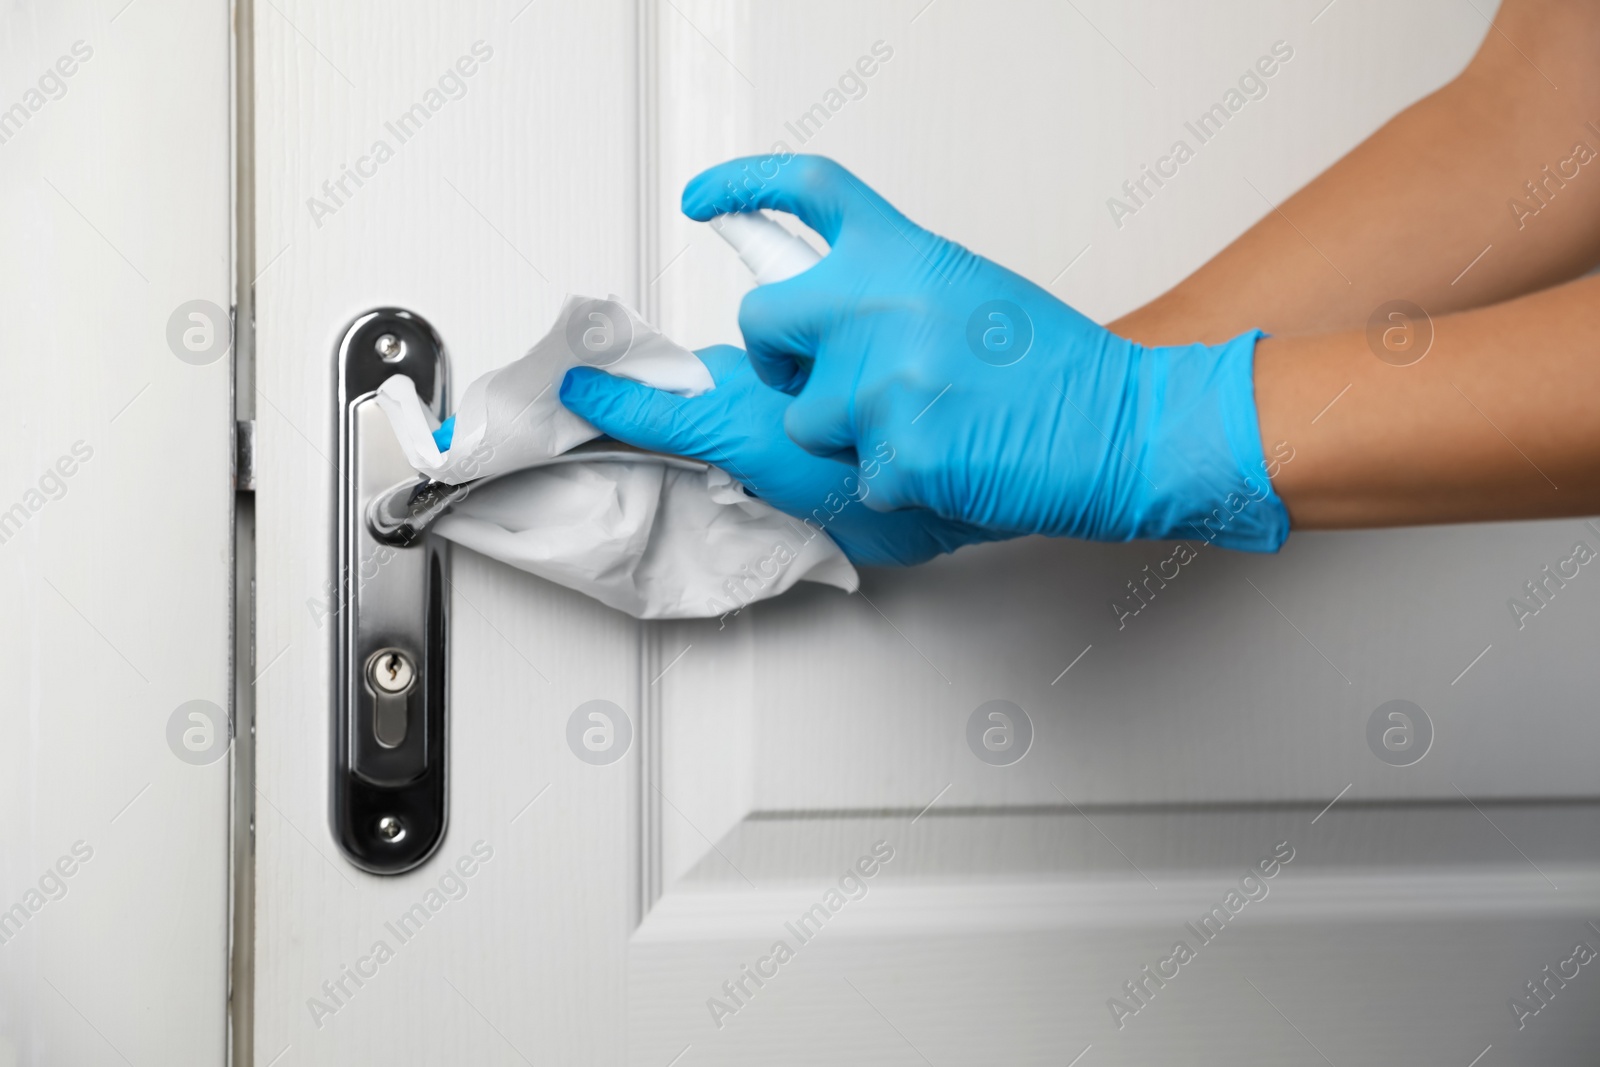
x=1499 y=420
x=1405 y=213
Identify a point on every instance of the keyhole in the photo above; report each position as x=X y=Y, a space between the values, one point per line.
x=391 y=671
x=392 y=675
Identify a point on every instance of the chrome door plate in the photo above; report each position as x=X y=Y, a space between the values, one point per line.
x=388 y=798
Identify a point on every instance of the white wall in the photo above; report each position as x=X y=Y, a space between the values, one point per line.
x=114 y=211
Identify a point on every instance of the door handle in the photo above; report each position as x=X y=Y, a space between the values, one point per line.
x=388 y=790
x=405 y=511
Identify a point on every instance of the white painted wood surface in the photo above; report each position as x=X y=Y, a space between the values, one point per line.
x=772 y=752
x=519 y=190
x=1007 y=129
x=1393 y=936
x=114 y=211
x=835 y=723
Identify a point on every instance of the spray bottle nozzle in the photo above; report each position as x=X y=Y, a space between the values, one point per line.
x=771 y=252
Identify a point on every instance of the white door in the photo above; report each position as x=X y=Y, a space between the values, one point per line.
x=116 y=542
x=1224 y=769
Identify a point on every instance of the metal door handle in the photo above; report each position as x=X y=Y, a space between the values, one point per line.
x=388 y=798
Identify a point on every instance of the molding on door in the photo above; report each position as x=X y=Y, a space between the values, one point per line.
x=242 y=666
x=650 y=742
x=646 y=50
x=693 y=110
x=1057 y=869
x=647 y=45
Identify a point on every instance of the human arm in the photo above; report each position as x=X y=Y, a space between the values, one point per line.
x=1092 y=436
x=1105 y=437
x=1006 y=409
x=1500 y=419
x=1404 y=213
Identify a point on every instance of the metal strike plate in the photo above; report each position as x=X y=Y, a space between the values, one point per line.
x=388 y=792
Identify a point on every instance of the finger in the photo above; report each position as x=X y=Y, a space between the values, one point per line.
x=445 y=434
x=723 y=361
x=824 y=195
x=632 y=413
x=819 y=420
x=781 y=324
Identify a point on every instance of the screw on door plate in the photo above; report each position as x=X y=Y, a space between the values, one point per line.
x=391 y=829
x=391 y=348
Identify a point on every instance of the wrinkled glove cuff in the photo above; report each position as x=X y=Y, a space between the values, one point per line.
x=1212 y=477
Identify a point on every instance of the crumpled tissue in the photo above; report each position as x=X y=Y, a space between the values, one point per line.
x=653 y=537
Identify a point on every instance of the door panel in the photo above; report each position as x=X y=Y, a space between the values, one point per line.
x=515 y=190
x=1171 y=748
x=1215 y=689
x=773 y=749
x=1210 y=694
x=1001 y=937
x=116 y=502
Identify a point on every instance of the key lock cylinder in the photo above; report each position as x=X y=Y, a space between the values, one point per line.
x=388 y=779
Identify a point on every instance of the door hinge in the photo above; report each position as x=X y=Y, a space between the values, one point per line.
x=244 y=455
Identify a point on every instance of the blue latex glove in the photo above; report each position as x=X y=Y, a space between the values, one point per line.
x=1006 y=408
x=735 y=427
x=445 y=434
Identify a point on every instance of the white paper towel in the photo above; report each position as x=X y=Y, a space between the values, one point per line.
x=654 y=540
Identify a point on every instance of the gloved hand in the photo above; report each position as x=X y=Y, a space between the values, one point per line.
x=1006 y=408
x=735 y=427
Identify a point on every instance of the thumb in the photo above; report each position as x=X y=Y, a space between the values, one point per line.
x=825 y=196
x=819 y=420
x=820 y=425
